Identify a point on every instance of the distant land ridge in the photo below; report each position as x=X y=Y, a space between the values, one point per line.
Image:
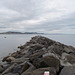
x=11 y=32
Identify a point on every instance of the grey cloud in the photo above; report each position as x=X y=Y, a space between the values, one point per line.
x=13 y=11
x=56 y=25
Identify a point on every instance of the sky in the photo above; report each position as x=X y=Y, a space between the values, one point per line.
x=43 y=16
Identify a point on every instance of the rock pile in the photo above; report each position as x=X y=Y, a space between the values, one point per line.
x=38 y=55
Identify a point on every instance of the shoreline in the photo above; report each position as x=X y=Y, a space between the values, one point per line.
x=37 y=56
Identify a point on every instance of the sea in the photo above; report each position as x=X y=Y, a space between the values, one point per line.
x=10 y=42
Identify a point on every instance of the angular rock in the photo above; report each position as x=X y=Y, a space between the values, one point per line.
x=9 y=69
x=58 y=49
x=69 y=70
x=35 y=47
x=67 y=49
x=41 y=71
x=52 y=61
x=1 y=69
x=25 y=67
x=36 y=55
x=30 y=69
x=8 y=59
x=11 y=74
x=17 y=54
x=20 y=60
x=46 y=61
x=17 y=69
x=21 y=47
x=67 y=60
x=4 y=59
x=51 y=54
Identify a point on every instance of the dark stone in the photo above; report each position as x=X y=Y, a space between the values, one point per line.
x=1 y=69
x=21 y=47
x=36 y=55
x=51 y=61
x=30 y=69
x=11 y=74
x=41 y=71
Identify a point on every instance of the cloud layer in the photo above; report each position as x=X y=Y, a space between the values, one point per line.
x=47 y=16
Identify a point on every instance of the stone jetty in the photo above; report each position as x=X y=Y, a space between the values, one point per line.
x=39 y=55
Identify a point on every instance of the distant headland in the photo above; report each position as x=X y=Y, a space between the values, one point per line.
x=11 y=32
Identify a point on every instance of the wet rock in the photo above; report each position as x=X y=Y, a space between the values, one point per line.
x=69 y=70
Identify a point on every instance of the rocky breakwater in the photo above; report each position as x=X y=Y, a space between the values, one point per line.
x=38 y=55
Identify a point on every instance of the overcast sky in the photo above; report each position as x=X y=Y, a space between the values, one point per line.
x=47 y=16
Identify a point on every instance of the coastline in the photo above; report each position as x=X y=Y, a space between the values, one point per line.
x=33 y=58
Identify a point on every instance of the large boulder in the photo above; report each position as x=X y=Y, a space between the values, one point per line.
x=17 y=54
x=30 y=69
x=1 y=69
x=41 y=71
x=67 y=60
x=69 y=70
x=46 y=61
x=36 y=55
x=20 y=60
x=20 y=68
x=8 y=59
x=11 y=74
x=52 y=61
x=9 y=69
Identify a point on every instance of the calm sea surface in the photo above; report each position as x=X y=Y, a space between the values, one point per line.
x=11 y=42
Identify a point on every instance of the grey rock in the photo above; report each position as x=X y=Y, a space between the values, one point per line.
x=52 y=61
x=41 y=71
x=20 y=60
x=30 y=69
x=67 y=49
x=9 y=69
x=67 y=60
x=8 y=59
x=69 y=70
x=1 y=69
x=38 y=55
x=11 y=74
